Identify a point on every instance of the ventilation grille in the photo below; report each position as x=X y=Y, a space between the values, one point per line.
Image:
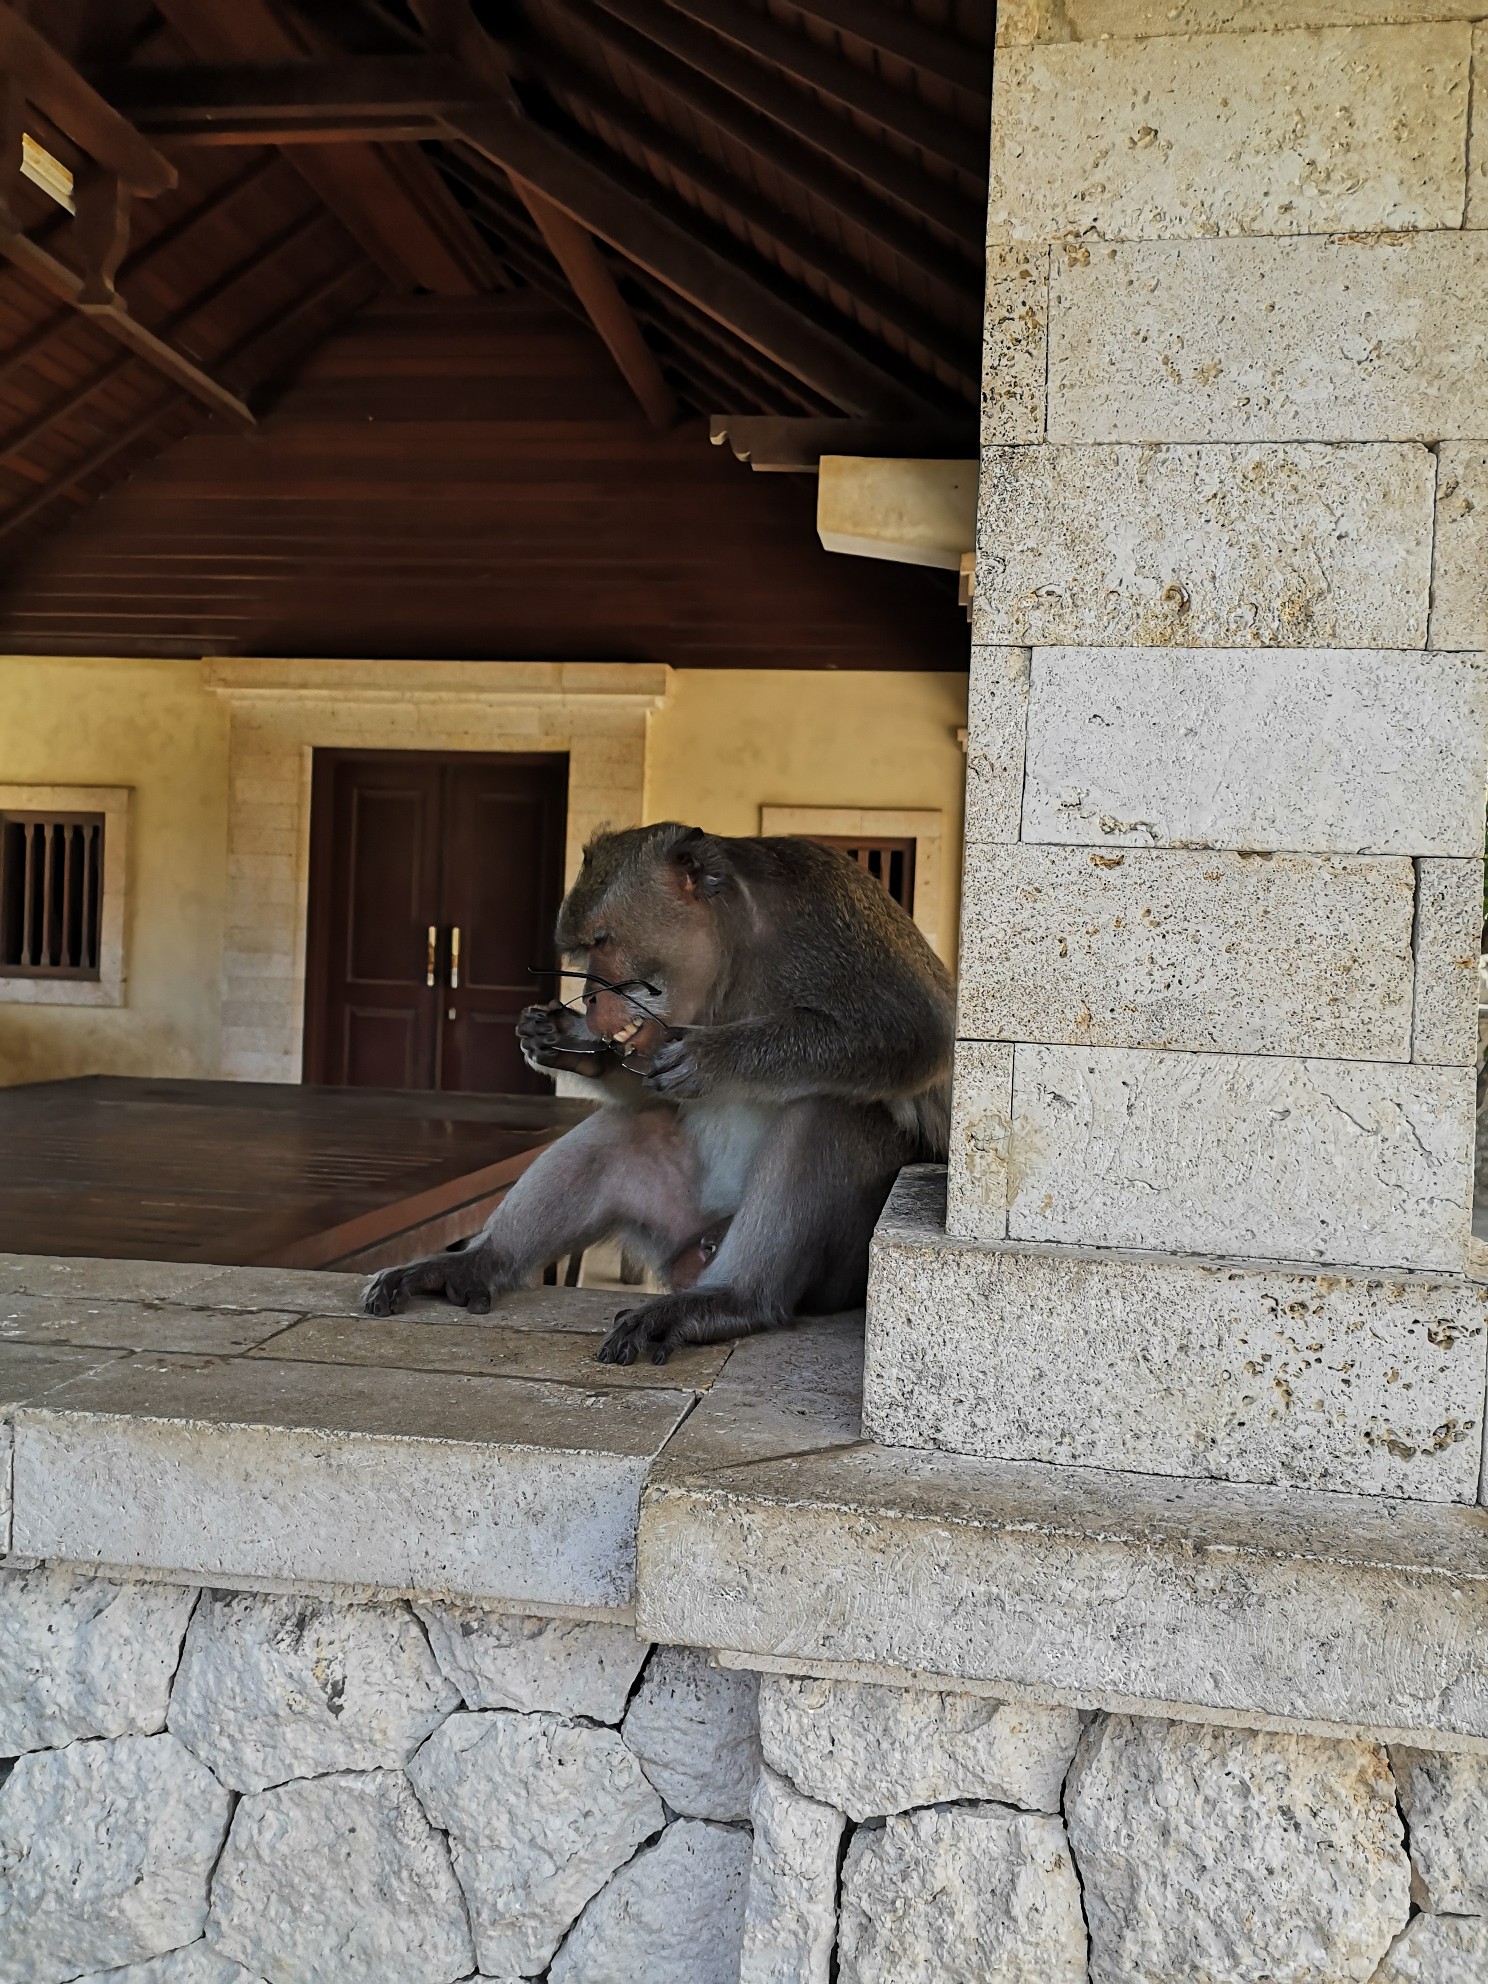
x=890 y=862
x=51 y=894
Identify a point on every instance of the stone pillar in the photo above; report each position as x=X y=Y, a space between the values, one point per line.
x=1211 y=1172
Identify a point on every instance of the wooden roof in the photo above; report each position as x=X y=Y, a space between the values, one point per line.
x=734 y=206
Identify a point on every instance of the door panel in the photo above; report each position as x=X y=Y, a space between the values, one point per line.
x=390 y=832
x=385 y=1049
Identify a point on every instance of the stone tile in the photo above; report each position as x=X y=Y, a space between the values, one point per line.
x=1459 y=568
x=1449 y=922
x=1363 y=1384
x=1109 y=1588
x=1208 y=1853
x=1333 y=751
x=31 y=1370
x=1477 y=143
x=997 y=717
x=1360 y=338
x=793 y=1390
x=1266 y=1157
x=81 y=1278
x=790 y=1912
x=1301 y=546
x=114 y=1325
x=489 y=1350
x=407 y=1480
x=1305 y=132
x=1090 y=20
x=1210 y=952
x=316 y=1290
x=981 y=1125
x=1014 y=351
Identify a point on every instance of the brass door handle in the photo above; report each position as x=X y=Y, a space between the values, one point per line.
x=455 y=958
x=431 y=954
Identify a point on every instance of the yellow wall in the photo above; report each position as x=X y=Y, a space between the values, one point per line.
x=149 y=725
x=732 y=740
x=726 y=743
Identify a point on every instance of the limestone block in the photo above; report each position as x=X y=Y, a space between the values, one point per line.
x=1445 y=1801
x=1449 y=923
x=1361 y=338
x=1364 y=1384
x=500 y=1660
x=673 y=1915
x=695 y=1728
x=873 y=1750
x=82 y=1657
x=1309 y=132
x=1301 y=546
x=339 y=1877
x=1014 y=353
x=981 y=1124
x=1437 y=1949
x=1329 y=750
x=273 y=1688
x=1459 y=570
x=996 y=719
x=1346 y=1162
x=540 y=1813
x=243 y=1469
x=135 y=1325
x=197 y=1963
x=1212 y=952
x=1216 y=1853
x=1087 y=20
x=790 y=1911
x=105 y=1853
x=969 y=1896
x=1477 y=144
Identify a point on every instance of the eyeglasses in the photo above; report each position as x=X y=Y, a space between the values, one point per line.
x=625 y=989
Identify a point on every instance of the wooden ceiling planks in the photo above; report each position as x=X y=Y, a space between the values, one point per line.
x=468 y=480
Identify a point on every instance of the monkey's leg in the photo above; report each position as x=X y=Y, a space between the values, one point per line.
x=618 y=1169
x=799 y=1241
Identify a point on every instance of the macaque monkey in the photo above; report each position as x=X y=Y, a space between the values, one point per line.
x=773 y=1037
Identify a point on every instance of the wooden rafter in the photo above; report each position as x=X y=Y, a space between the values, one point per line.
x=43 y=77
x=308 y=102
x=901 y=33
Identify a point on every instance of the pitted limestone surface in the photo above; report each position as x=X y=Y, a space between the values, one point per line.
x=503 y=1660
x=695 y=1730
x=790 y=1913
x=673 y=1915
x=1445 y=1802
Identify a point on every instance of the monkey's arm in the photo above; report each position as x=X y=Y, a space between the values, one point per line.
x=810 y=1052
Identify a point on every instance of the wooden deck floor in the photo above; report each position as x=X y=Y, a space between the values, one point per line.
x=256 y=1173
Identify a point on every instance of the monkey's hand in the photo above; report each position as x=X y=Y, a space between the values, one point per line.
x=468 y=1276
x=678 y=1068
x=554 y=1037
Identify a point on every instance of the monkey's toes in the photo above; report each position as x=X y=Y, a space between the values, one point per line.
x=385 y=1294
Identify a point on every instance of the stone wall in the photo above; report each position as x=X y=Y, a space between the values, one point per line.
x=214 y=1787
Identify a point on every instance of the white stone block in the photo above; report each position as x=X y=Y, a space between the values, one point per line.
x=1089 y=20
x=981 y=1127
x=873 y=1751
x=1348 y=1162
x=1363 y=1384
x=500 y=1660
x=790 y=1911
x=1308 y=132
x=965 y=1896
x=674 y=1915
x=1209 y=546
x=1459 y=569
x=246 y=1469
x=540 y=1813
x=339 y=1877
x=996 y=720
x=695 y=1729
x=274 y=1688
x=197 y=1963
x=1476 y=214
x=1437 y=1949
x=1360 y=338
x=1331 y=751
x=81 y=1657
x=1199 y=951
x=1449 y=923
x=105 y=1854
x=1213 y=1853
x=1014 y=352
x=781 y=1393
x=1445 y=1802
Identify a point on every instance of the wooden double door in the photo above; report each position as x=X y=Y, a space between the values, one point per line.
x=434 y=883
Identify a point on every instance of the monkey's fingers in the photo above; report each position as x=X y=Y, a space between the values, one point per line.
x=389 y=1291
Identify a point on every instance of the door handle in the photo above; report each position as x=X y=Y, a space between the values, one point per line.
x=455 y=958
x=431 y=954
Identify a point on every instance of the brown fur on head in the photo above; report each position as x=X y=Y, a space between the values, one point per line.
x=639 y=911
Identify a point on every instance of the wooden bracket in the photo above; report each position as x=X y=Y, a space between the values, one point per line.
x=101 y=236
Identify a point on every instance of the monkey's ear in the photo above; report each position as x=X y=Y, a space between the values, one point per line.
x=699 y=865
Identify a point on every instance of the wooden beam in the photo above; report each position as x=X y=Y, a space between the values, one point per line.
x=177 y=96
x=919 y=123
x=838 y=138
x=48 y=80
x=691 y=267
x=785 y=446
x=963 y=64
x=100 y=457
x=575 y=253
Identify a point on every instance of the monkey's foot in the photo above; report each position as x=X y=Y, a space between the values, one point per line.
x=469 y=1279
x=696 y=1316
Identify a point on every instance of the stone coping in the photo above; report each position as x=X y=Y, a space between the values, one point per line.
x=249 y=1428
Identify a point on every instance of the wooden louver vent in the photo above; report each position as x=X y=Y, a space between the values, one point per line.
x=51 y=894
x=888 y=860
